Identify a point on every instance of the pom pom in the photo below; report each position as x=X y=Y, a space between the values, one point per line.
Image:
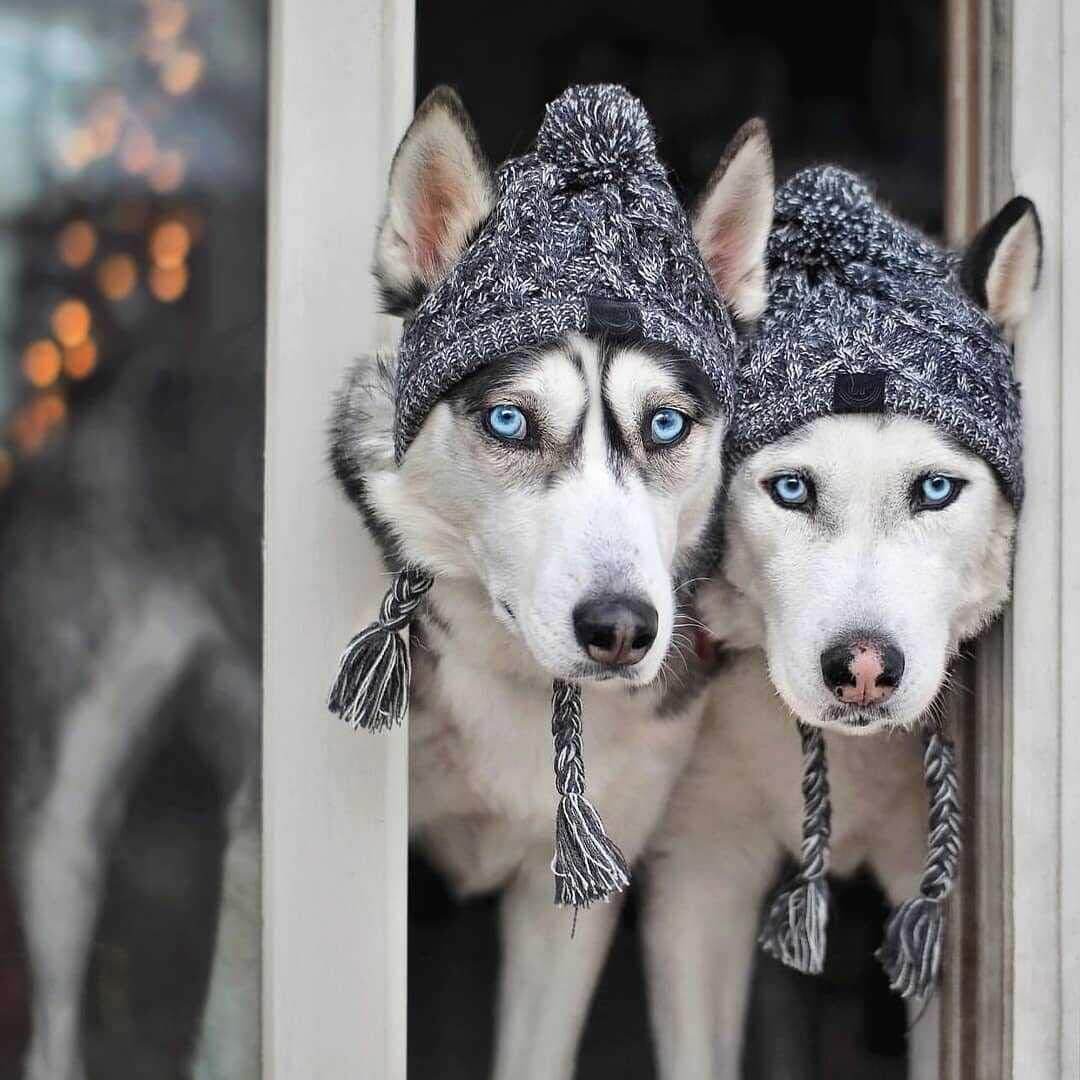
x=587 y=864
x=371 y=690
x=598 y=134
x=911 y=952
x=794 y=929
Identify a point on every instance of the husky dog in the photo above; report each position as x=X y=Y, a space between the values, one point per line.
x=119 y=595
x=859 y=552
x=564 y=517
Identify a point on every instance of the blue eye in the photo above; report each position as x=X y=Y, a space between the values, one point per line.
x=667 y=426
x=936 y=491
x=790 y=490
x=507 y=422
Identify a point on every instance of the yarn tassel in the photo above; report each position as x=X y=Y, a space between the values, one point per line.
x=794 y=930
x=588 y=865
x=911 y=952
x=371 y=690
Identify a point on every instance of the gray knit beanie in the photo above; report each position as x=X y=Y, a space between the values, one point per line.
x=866 y=314
x=586 y=235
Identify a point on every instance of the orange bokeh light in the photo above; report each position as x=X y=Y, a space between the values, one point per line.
x=170 y=244
x=80 y=362
x=116 y=276
x=168 y=172
x=168 y=18
x=76 y=244
x=41 y=363
x=71 y=322
x=168 y=283
x=182 y=72
x=49 y=410
x=138 y=152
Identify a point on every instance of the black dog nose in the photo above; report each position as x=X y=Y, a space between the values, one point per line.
x=862 y=670
x=615 y=630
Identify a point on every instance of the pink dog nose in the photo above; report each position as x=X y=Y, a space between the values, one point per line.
x=862 y=672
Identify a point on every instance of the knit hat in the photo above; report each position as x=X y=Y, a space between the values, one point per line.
x=586 y=235
x=868 y=315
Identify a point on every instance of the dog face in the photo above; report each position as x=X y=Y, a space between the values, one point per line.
x=870 y=547
x=575 y=485
x=571 y=487
x=873 y=547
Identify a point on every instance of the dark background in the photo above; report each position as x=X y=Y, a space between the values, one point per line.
x=859 y=84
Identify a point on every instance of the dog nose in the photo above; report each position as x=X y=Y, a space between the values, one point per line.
x=615 y=630
x=864 y=671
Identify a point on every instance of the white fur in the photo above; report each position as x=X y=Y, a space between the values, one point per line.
x=482 y=793
x=791 y=584
x=863 y=559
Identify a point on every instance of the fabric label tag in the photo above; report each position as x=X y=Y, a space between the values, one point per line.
x=859 y=392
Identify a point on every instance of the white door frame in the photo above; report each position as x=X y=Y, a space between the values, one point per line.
x=341 y=94
x=1043 y=634
x=336 y=802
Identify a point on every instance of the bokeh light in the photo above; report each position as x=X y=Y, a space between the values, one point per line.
x=168 y=19
x=167 y=173
x=117 y=276
x=76 y=244
x=168 y=284
x=182 y=72
x=138 y=151
x=80 y=361
x=71 y=322
x=41 y=363
x=170 y=243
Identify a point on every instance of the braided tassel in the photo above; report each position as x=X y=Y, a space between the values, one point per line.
x=371 y=690
x=794 y=930
x=911 y=952
x=588 y=866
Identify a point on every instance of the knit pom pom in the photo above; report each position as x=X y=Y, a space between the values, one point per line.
x=911 y=952
x=597 y=134
x=587 y=864
x=794 y=929
x=371 y=690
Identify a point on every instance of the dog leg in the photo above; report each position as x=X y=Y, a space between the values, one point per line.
x=228 y=730
x=547 y=977
x=701 y=922
x=62 y=850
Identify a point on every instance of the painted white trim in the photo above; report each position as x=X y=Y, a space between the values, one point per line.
x=1044 y=695
x=335 y=801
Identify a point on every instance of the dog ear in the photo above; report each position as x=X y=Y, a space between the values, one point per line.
x=733 y=219
x=441 y=191
x=1001 y=265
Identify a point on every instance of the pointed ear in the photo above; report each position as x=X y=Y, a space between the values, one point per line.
x=1001 y=265
x=733 y=219
x=441 y=190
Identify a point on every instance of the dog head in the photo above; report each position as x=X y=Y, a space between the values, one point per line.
x=568 y=488
x=870 y=546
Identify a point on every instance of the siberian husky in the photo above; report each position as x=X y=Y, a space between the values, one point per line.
x=517 y=552
x=785 y=596
x=123 y=596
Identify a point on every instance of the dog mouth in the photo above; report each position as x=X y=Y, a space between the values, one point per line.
x=853 y=718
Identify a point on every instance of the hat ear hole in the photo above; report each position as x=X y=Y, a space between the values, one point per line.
x=440 y=193
x=1001 y=265
x=733 y=219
